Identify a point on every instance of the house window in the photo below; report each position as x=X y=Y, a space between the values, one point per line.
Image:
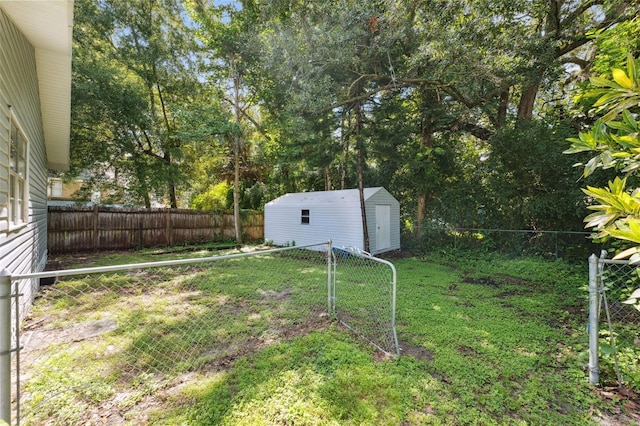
x=17 y=176
x=55 y=188
x=305 y=217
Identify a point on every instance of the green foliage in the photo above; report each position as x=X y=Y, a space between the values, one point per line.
x=620 y=354
x=134 y=82
x=615 y=139
x=531 y=180
x=256 y=196
x=216 y=198
x=615 y=44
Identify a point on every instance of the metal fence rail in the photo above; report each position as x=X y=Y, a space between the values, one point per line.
x=612 y=323
x=100 y=341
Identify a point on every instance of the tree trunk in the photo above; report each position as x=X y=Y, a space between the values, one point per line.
x=144 y=190
x=426 y=141
x=145 y=196
x=363 y=210
x=501 y=119
x=173 y=200
x=172 y=196
x=345 y=153
x=360 y=153
x=236 y=190
x=422 y=202
x=327 y=178
x=527 y=101
x=236 y=158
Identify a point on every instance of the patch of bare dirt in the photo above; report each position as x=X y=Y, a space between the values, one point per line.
x=485 y=281
x=467 y=350
x=67 y=261
x=499 y=281
x=513 y=280
x=225 y=356
x=627 y=403
x=40 y=338
x=415 y=351
x=37 y=336
x=193 y=249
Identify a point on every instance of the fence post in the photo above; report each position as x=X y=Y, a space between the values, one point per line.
x=96 y=228
x=5 y=346
x=594 y=302
x=329 y=262
x=168 y=227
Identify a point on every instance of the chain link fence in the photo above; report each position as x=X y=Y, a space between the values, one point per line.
x=614 y=326
x=512 y=242
x=107 y=345
x=364 y=294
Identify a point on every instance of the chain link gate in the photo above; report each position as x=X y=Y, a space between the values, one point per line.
x=363 y=297
x=138 y=329
x=611 y=321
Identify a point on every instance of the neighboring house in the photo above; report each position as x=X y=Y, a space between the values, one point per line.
x=312 y=217
x=64 y=194
x=109 y=190
x=60 y=193
x=35 y=106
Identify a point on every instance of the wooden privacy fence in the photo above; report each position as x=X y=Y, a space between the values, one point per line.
x=75 y=229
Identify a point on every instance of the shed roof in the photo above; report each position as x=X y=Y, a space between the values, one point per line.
x=48 y=25
x=342 y=196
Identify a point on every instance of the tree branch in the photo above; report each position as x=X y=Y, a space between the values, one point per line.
x=398 y=83
x=149 y=150
x=613 y=16
x=579 y=11
x=582 y=63
x=457 y=95
x=473 y=129
x=246 y=115
x=362 y=97
x=164 y=108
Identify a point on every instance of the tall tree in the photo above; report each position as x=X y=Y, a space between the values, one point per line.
x=326 y=50
x=231 y=49
x=146 y=47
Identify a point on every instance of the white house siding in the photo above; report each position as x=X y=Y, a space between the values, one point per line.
x=22 y=249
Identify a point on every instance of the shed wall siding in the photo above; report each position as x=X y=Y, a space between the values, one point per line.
x=338 y=223
x=333 y=215
x=22 y=249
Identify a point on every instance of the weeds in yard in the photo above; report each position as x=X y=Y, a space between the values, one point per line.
x=483 y=341
x=624 y=351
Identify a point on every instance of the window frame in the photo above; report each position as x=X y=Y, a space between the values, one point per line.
x=55 y=188
x=18 y=191
x=305 y=217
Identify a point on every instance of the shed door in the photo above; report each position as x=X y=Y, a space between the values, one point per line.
x=383 y=227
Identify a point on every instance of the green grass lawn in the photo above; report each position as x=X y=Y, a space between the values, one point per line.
x=483 y=342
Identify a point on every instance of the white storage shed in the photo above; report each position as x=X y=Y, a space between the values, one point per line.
x=312 y=217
